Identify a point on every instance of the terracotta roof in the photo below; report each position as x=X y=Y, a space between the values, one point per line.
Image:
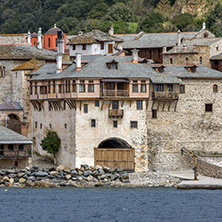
x=10 y=106
x=25 y=52
x=30 y=65
x=53 y=31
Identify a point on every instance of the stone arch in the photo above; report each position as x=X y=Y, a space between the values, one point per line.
x=114 y=142
x=13 y=122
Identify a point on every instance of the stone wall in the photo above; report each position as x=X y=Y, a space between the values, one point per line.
x=208 y=169
x=13 y=39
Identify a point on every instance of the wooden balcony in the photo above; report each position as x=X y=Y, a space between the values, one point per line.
x=115 y=93
x=18 y=154
x=116 y=113
x=165 y=95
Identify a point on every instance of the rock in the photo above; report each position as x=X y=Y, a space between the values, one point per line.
x=38 y=178
x=5 y=178
x=12 y=175
x=32 y=178
x=74 y=179
x=74 y=173
x=100 y=184
x=56 y=181
x=41 y=174
x=101 y=171
x=11 y=180
x=9 y=171
x=52 y=169
x=122 y=173
x=28 y=173
x=2 y=173
x=125 y=176
x=68 y=176
x=109 y=175
x=79 y=178
x=119 y=170
x=106 y=169
x=87 y=173
x=125 y=180
x=60 y=168
x=51 y=177
x=21 y=174
x=67 y=170
x=84 y=166
x=16 y=179
x=114 y=177
x=22 y=180
x=41 y=183
x=89 y=178
x=54 y=173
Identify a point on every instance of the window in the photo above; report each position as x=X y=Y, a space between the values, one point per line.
x=215 y=88
x=154 y=114
x=110 y=48
x=49 y=43
x=170 y=88
x=201 y=60
x=187 y=61
x=50 y=126
x=143 y=86
x=139 y=104
x=67 y=86
x=133 y=124
x=209 y=107
x=115 y=124
x=30 y=91
x=65 y=126
x=135 y=86
x=36 y=124
x=56 y=42
x=40 y=125
x=21 y=147
x=73 y=86
x=36 y=88
x=182 y=89
x=54 y=87
x=112 y=65
x=85 y=108
x=217 y=48
x=84 y=47
x=16 y=163
x=115 y=105
x=49 y=87
x=73 y=47
x=10 y=147
x=93 y=123
x=102 y=45
x=82 y=86
x=159 y=87
x=90 y=86
x=97 y=103
x=171 y=60
x=60 y=88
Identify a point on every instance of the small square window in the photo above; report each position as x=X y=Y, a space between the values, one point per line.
x=139 y=105
x=85 y=108
x=21 y=147
x=73 y=47
x=115 y=124
x=154 y=114
x=209 y=107
x=65 y=126
x=97 y=103
x=84 y=47
x=133 y=124
x=36 y=124
x=182 y=89
x=93 y=123
x=50 y=126
x=10 y=147
x=16 y=163
x=40 y=125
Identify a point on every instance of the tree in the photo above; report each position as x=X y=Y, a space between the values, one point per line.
x=51 y=143
x=98 y=11
x=182 y=21
x=163 y=7
x=68 y=24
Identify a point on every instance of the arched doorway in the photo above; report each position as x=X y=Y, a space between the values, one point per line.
x=13 y=122
x=115 y=153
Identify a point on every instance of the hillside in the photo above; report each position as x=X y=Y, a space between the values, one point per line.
x=127 y=16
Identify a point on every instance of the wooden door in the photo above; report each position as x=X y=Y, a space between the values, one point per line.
x=115 y=158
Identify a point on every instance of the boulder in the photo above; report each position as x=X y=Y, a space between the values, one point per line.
x=54 y=173
x=106 y=169
x=84 y=166
x=41 y=174
x=32 y=178
x=60 y=168
x=87 y=173
x=22 y=180
x=68 y=176
x=16 y=179
x=11 y=180
x=74 y=172
x=12 y=175
x=10 y=171
x=28 y=173
x=21 y=174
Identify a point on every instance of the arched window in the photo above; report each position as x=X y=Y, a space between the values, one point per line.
x=49 y=43
x=215 y=88
x=187 y=60
x=171 y=60
x=201 y=60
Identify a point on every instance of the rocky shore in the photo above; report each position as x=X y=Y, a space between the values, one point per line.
x=86 y=176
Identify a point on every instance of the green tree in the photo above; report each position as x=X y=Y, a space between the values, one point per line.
x=51 y=143
x=183 y=21
x=163 y=7
x=68 y=24
x=152 y=23
x=98 y=11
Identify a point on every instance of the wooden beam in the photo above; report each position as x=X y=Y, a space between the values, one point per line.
x=169 y=106
x=102 y=105
x=164 y=105
x=153 y=104
x=175 y=107
x=80 y=105
x=147 y=104
x=122 y=103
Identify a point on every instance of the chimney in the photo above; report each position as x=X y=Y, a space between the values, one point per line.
x=184 y=47
x=174 y=48
x=59 y=63
x=135 y=55
x=39 y=43
x=111 y=31
x=203 y=26
x=61 y=41
x=78 y=62
x=164 y=49
x=178 y=38
x=29 y=38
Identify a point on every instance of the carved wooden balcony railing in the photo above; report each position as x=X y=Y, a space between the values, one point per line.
x=165 y=95
x=116 y=113
x=115 y=93
x=19 y=154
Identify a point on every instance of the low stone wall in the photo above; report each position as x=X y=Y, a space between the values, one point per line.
x=208 y=168
x=84 y=177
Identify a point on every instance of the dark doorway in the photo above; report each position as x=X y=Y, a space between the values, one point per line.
x=13 y=123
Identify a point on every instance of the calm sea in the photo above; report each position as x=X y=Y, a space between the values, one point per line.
x=109 y=204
